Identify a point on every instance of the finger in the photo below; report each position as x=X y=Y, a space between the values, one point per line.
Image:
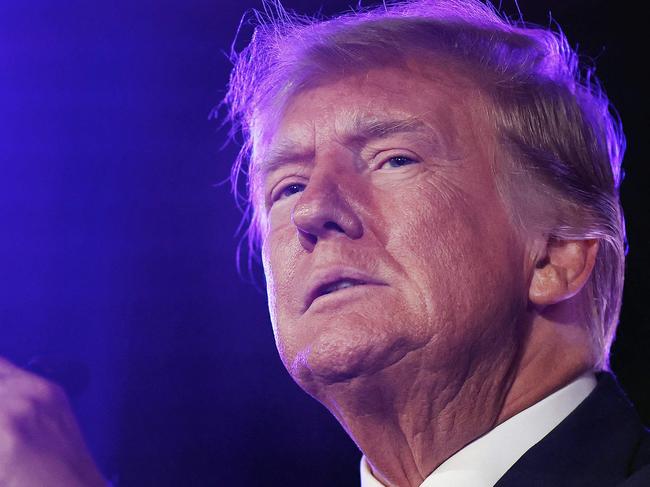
x=16 y=381
x=8 y=369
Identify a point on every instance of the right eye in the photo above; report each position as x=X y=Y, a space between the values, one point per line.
x=287 y=190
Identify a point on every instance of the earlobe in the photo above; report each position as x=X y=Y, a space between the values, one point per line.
x=562 y=271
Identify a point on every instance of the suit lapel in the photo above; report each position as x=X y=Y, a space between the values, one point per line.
x=594 y=446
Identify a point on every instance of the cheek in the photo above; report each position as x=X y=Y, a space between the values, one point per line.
x=456 y=250
x=280 y=251
x=280 y=256
x=430 y=222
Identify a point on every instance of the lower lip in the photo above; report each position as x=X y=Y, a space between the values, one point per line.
x=338 y=297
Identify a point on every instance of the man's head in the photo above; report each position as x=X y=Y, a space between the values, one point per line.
x=457 y=166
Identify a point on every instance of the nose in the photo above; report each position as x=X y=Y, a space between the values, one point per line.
x=322 y=211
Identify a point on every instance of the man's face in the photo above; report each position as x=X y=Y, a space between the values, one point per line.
x=384 y=235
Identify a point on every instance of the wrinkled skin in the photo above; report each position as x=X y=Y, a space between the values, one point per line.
x=418 y=211
x=434 y=230
x=400 y=292
x=40 y=442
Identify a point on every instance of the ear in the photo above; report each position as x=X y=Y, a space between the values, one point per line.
x=562 y=271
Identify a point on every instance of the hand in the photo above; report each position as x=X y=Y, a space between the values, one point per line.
x=40 y=442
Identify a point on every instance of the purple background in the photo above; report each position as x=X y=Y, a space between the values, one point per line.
x=117 y=246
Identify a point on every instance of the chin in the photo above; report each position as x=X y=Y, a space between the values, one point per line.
x=343 y=353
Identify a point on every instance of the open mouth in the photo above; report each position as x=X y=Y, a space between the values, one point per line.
x=325 y=281
x=333 y=287
x=337 y=286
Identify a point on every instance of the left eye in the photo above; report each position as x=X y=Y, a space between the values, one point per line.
x=399 y=161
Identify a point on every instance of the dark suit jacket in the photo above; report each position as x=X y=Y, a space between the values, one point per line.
x=602 y=443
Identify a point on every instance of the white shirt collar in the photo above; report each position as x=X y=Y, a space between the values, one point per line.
x=484 y=461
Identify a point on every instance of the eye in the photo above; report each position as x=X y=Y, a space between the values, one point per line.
x=398 y=161
x=284 y=191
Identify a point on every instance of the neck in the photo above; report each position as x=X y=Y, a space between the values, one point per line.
x=556 y=354
x=407 y=424
x=408 y=419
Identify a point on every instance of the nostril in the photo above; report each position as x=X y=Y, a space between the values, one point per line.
x=333 y=226
x=307 y=238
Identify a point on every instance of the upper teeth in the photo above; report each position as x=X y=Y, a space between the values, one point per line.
x=335 y=286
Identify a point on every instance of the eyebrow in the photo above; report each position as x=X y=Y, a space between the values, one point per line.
x=364 y=129
x=285 y=153
x=359 y=132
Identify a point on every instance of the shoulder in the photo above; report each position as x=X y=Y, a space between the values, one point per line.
x=602 y=443
x=640 y=467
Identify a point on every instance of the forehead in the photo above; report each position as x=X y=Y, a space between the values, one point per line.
x=430 y=100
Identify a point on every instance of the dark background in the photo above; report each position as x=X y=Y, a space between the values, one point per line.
x=117 y=242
